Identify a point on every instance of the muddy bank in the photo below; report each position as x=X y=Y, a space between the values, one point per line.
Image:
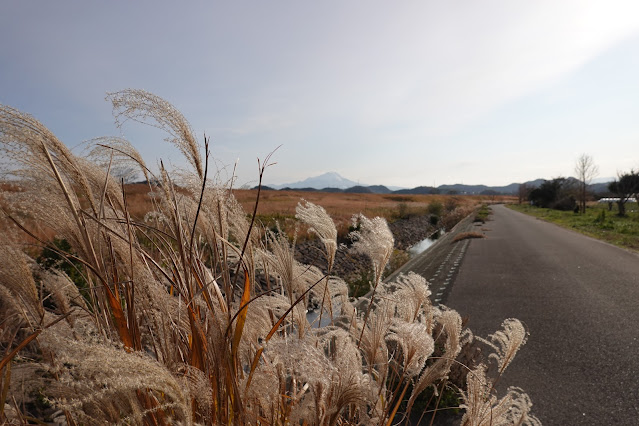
x=408 y=232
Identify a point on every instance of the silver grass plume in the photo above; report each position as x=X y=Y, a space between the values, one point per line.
x=482 y=408
x=198 y=387
x=506 y=342
x=40 y=200
x=97 y=377
x=329 y=294
x=451 y=325
x=349 y=386
x=296 y=278
x=117 y=154
x=240 y=227
x=107 y=188
x=374 y=239
x=15 y=276
x=519 y=410
x=372 y=338
x=144 y=107
x=411 y=293
x=26 y=141
x=479 y=403
x=64 y=291
x=262 y=314
x=301 y=365
x=321 y=225
x=416 y=343
x=12 y=314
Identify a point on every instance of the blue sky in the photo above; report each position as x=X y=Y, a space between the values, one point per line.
x=397 y=93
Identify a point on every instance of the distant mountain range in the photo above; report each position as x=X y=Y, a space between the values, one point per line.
x=334 y=182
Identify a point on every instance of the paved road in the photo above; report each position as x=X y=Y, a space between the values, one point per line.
x=579 y=299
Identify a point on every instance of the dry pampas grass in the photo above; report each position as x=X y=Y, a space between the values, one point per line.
x=195 y=316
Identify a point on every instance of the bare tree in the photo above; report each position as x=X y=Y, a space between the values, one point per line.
x=586 y=170
x=523 y=192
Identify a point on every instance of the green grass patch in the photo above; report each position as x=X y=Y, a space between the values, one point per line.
x=597 y=222
x=482 y=214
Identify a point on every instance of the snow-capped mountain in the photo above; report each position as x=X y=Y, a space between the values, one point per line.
x=327 y=180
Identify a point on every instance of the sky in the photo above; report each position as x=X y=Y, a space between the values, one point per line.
x=402 y=94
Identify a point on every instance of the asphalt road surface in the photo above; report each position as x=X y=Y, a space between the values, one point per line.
x=579 y=299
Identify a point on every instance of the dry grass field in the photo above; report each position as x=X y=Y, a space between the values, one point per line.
x=341 y=206
x=280 y=205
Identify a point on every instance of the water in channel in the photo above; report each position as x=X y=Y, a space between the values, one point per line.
x=421 y=246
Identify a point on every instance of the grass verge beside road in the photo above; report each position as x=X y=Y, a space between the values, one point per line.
x=597 y=222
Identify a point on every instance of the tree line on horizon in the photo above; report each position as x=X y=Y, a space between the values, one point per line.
x=573 y=193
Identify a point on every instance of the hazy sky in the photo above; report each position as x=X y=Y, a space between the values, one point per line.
x=401 y=93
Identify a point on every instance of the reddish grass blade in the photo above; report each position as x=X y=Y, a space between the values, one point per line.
x=120 y=319
x=399 y=402
x=241 y=318
x=18 y=348
x=198 y=341
x=6 y=379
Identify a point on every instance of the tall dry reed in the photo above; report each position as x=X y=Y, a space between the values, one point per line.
x=195 y=316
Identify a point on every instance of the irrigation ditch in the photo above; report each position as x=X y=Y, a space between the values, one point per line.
x=440 y=262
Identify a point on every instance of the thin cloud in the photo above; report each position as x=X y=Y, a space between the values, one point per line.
x=380 y=89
